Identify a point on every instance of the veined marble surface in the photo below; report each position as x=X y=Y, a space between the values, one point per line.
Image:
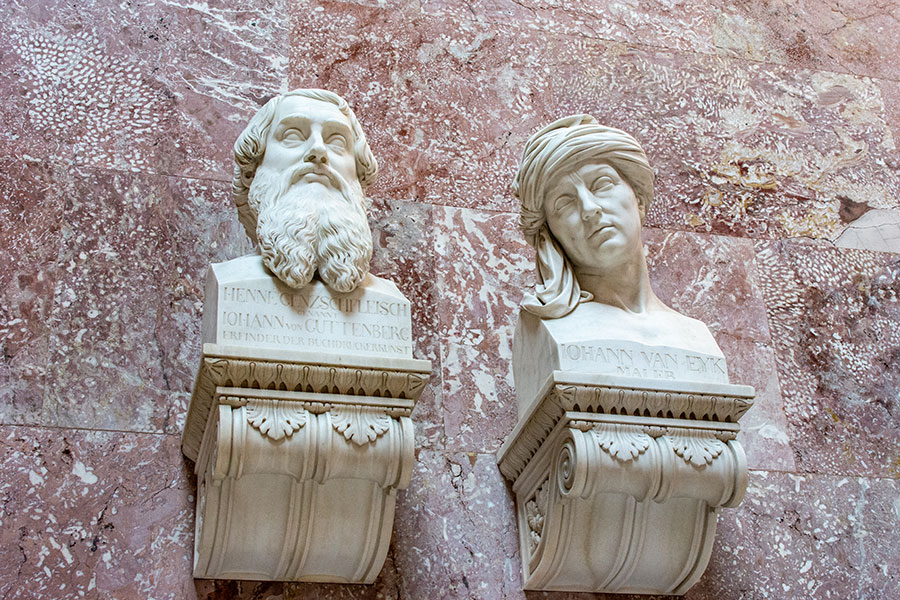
x=110 y=215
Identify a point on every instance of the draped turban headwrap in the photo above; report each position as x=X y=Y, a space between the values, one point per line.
x=569 y=143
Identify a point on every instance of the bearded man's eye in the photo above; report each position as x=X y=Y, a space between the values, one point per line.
x=293 y=136
x=337 y=141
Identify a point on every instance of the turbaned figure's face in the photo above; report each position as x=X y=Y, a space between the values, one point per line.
x=585 y=189
x=311 y=208
x=593 y=213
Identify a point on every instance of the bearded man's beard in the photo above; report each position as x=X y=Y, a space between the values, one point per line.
x=304 y=227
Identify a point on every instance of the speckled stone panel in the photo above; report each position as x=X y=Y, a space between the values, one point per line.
x=30 y=233
x=483 y=268
x=835 y=319
x=799 y=536
x=454 y=534
x=848 y=36
x=125 y=328
x=479 y=396
x=710 y=278
x=890 y=92
x=94 y=515
x=152 y=86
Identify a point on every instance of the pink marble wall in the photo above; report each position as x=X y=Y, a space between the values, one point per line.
x=773 y=127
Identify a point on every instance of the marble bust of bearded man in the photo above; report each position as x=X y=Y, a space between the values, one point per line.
x=585 y=190
x=301 y=167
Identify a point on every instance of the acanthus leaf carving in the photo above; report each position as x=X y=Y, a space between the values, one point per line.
x=655 y=431
x=696 y=447
x=622 y=442
x=358 y=424
x=726 y=436
x=535 y=511
x=276 y=419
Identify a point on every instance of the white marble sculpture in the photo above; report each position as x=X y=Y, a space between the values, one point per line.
x=301 y=167
x=625 y=446
x=299 y=420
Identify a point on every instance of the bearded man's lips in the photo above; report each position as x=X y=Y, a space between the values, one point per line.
x=317 y=173
x=317 y=177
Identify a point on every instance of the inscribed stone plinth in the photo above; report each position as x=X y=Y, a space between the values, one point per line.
x=246 y=306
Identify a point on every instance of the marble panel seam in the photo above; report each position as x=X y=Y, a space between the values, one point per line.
x=98 y=430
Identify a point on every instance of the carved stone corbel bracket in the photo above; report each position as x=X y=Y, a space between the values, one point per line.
x=617 y=486
x=298 y=463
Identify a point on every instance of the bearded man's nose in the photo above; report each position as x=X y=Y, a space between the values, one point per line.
x=317 y=154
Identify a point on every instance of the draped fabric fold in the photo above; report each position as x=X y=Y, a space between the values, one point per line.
x=557 y=292
x=563 y=144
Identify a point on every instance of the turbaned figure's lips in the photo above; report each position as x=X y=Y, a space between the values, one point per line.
x=599 y=228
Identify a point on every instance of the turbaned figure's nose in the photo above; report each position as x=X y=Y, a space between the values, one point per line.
x=590 y=206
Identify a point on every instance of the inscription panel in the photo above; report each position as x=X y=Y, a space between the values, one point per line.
x=637 y=360
x=247 y=307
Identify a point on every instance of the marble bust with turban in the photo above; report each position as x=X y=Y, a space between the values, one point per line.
x=585 y=190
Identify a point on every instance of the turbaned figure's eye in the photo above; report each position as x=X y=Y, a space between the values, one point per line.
x=562 y=202
x=602 y=183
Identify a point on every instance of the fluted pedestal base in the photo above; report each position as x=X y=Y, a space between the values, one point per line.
x=298 y=461
x=618 y=481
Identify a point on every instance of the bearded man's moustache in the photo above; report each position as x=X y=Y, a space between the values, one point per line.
x=318 y=169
